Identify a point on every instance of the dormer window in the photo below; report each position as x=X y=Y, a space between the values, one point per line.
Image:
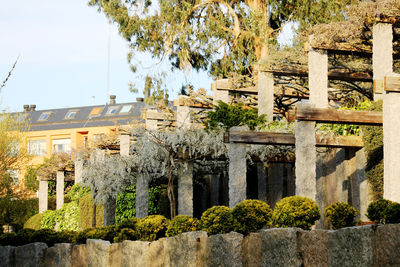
x=95 y=112
x=112 y=110
x=125 y=109
x=45 y=116
x=71 y=114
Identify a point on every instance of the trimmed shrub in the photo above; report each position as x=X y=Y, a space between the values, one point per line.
x=50 y=218
x=217 y=220
x=251 y=215
x=181 y=224
x=86 y=212
x=34 y=222
x=126 y=234
x=104 y=233
x=392 y=213
x=341 y=214
x=295 y=211
x=376 y=210
x=152 y=227
x=128 y=223
x=17 y=211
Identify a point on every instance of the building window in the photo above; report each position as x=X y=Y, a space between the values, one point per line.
x=37 y=147
x=13 y=149
x=71 y=114
x=45 y=116
x=14 y=175
x=62 y=145
x=125 y=109
x=112 y=110
x=95 y=112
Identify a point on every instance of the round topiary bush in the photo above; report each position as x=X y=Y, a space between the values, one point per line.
x=152 y=227
x=295 y=211
x=392 y=213
x=376 y=210
x=217 y=220
x=34 y=222
x=251 y=215
x=341 y=214
x=181 y=224
x=126 y=234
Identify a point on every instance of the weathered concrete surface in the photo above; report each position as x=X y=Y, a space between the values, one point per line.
x=279 y=247
x=386 y=245
x=262 y=182
x=251 y=247
x=362 y=181
x=237 y=171
x=266 y=95
x=318 y=77
x=43 y=195
x=226 y=250
x=60 y=189
x=382 y=57
x=124 y=145
x=305 y=158
x=350 y=246
x=30 y=255
x=7 y=257
x=142 y=195
x=342 y=187
x=58 y=255
x=79 y=256
x=156 y=253
x=185 y=189
x=135 y=253
x=312 y=247
x=78 y=169
x=116 y=255
x=109 y=211
x=183 y=118
x=219 y=95
x=98 y=252
x=185 y=250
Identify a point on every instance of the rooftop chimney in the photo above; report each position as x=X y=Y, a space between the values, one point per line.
x=112 y=100
x=32 y=107
x=26 y=107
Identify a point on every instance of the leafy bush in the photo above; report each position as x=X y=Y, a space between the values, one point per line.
x=181 y=224
x=69 y=214
x=341 y=214
x=126 y=234
x=77 y=192
x=34 y=222
x=376 y=210
x=152 y=227
x=392 y=213
x=251 y=215
x=295 y=211
x=50 y=218
x=86 y=212
x=31 y=181
x=128 y=223
x=17 y=211
x=217 y=220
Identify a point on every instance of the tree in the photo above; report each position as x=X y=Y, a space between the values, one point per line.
x=222 y=37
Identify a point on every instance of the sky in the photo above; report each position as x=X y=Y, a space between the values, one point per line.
x=62 y=51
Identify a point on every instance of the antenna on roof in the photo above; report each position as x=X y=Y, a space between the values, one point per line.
x=93 y=98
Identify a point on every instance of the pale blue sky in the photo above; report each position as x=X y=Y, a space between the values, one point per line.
x=62 y=46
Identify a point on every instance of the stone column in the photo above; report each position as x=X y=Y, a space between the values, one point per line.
x=124 y=145
x=183 y=119
x=266 y=94
x=318 y=77
x=361 y=163
x=78 y=169
x=237 y=171
x=305 y=158
x=262 y=182
x=342 y=189
x=382 y=57
x=43 y=195
x=142 y=195
x=219 y=95
x=60 y=189
x=185 y=189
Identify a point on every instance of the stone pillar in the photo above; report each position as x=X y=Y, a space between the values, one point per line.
x=78 y=169
x=318 y=77
x=142 y=195
x=262 y=182
x=151 y=125
x=43 y=195
x=185 y=189
x=305 y=158
x=219 y=95
x=382 y=57
x=361 y=163
x=266 y=94
x=60 y=189
x=183 y=119
x=237 y=171
x=124 y=144
x=342 y=188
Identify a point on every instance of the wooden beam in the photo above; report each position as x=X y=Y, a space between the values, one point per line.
x=155 y=115
x=338 y=75
x=325 y=115
x=392 y=84
x=288 y=139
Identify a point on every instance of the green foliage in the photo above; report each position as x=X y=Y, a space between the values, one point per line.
x=77 y=191
x=341 y=214
x=158 y=200
x=69 y=217
x=17 y=211
x=217 y=220
x=295 y=211
x=227 y=116
x=181 y=224
x=392 y=213
x=31 y=181
x=152 y=227
x=86 y=212
x=251 y=215
x=26 y=236
x=50 y=218
x=126 y=234
x=34 y=222
x=376 y=210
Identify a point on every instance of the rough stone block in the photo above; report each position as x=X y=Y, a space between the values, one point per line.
x=386 y=245
x=185 y=250
x=116 y=255
x=98 y=252
x=135 y=253
x=226 y=250
x=252 y=250
x=350 y=246
x=59 y=255
x=30 y=255
x=312 y=247
x=156 y=254
x=78 y=256
x=279 y=247
x=7 y=258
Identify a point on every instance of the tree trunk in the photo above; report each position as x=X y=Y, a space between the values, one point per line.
x=170 y=189
x=94 y=215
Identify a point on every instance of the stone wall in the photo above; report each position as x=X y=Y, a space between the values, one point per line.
x=376 y=245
